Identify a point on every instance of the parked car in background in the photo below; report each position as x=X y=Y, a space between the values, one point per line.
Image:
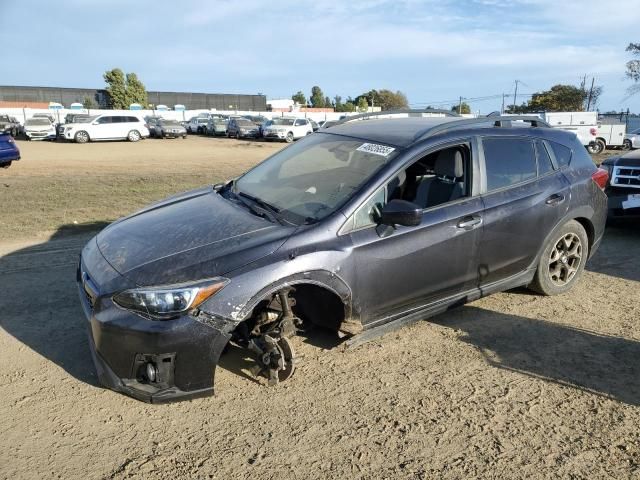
x=217 y=126
x=360 y=229
x=623 y=187
x=9 y=151
x=314 y=126
x=107 y=127
x=632 y=139
x=164 y=128
x=287 y=129
x=9 y=125
x=39 y=128
x=197 y=124
x=72 y=118
x=329 y=123
x=242 y=128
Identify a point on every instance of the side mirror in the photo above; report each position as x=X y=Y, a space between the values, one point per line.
x=401 y=212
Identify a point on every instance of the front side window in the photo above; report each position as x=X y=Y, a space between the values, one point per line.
x=508 y=161
x=314 y=177
x=434 y=179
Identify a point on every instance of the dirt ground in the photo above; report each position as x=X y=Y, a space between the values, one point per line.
x=511 y=386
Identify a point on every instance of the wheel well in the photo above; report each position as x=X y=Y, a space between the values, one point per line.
x=588 y=227
x=319 y=306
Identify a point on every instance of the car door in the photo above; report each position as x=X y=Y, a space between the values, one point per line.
x=413 y=267
x=101 y=128
x=524 y=197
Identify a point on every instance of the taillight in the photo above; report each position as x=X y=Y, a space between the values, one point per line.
x=601 y=177
x=593 y=131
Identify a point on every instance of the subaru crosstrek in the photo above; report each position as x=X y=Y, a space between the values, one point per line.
x=366 y=226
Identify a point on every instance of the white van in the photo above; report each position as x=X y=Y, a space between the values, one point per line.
x=583 y=124
x=107 y=126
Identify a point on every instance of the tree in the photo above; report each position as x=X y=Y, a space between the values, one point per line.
x=348 y=107
x=633 y=68
x=299 y=98
x=124 y=90
x=327 y=102
x=385 y=99
x=337 y=103
x=87 y=102
x=317 y=97
x=464 y=107
x=560 y=98
x=116 y=89
x=136 y=93
x=363 y=105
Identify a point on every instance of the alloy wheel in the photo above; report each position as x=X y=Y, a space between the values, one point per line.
x=565 y=259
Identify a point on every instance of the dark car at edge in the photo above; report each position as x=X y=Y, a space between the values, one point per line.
x=359 y=228
x=623 y=188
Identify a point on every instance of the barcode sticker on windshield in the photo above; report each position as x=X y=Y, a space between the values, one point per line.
x=375 y=149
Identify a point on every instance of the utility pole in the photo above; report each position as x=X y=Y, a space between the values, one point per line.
x=460 y=106
x=590 y=94
x=515 y=95
x=502 y=109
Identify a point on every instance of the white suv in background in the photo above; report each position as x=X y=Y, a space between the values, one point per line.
x=107 y=127
x=287 y=128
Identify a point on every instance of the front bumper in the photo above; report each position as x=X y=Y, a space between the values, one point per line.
x=41 y=135
x=275 y=135
x=184 y=351
x=622 y=203
x=9 y=155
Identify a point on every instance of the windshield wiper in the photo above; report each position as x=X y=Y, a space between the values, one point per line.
x=266 y=209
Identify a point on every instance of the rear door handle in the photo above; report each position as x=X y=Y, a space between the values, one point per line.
x=555 y=199
x=469 y=222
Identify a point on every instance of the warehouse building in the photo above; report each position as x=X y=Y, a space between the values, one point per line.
x=40 y=97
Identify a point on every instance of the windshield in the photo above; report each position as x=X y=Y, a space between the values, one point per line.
x=282 y=121
x=636 y=131
x=170 y=123
x=245 y=123
x=37 y=121
x=4 y=118
x=314 y=177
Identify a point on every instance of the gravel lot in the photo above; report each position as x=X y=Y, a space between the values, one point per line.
x=511 y=386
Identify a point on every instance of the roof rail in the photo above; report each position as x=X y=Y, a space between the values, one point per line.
x=495 y=120
x=362 y=116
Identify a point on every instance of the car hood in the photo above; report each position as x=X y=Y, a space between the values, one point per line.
x=188 y=237
x=631 y=159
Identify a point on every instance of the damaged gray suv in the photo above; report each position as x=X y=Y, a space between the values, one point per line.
x=366 y=226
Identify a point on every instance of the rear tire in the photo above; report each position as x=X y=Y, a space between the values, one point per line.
x=5 y=165
x=562 y=261
x=134 y=136
x=626 y=145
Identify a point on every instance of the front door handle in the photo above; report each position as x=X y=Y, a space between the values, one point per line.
x=555 y=199
x=469 y=222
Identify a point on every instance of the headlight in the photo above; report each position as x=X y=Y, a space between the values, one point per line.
x=169 y=301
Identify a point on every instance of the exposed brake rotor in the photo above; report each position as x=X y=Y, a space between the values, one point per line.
x=274 y=357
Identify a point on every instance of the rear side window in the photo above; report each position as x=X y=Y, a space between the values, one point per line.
x=544 y=160
x=133 y=119
x=103 y=120
x=508 y=161
x=562 y=154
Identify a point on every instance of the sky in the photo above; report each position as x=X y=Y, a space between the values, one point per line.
x=432 y=50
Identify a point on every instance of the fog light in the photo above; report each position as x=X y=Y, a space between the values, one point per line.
x=152 y=372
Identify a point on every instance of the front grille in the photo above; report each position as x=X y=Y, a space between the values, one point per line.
x=626 y=177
